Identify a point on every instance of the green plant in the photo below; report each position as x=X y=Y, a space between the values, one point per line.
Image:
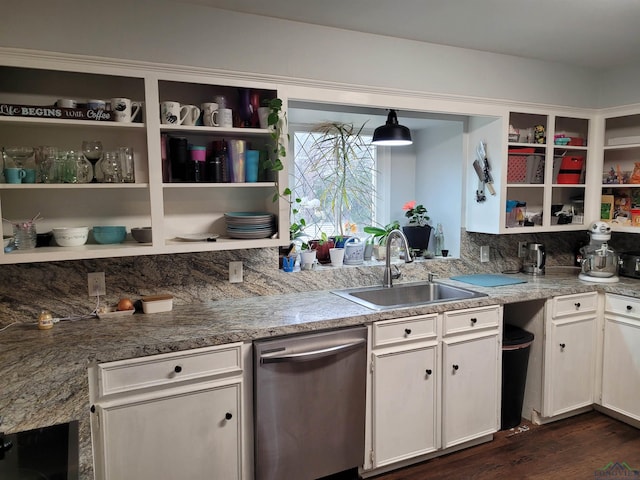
x=277 y=121
x=416 y=214
x=335 y=163
x=380 y=234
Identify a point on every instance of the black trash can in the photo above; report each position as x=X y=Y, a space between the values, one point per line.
x=516 y=344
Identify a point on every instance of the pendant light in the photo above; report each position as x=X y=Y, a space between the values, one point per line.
x=392 y=133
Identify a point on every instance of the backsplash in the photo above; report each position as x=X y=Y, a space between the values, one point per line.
x=61 y=287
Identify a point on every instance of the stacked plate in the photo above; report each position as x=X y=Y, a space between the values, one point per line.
x=249 y=225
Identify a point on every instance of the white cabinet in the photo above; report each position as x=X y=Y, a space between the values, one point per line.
x=621 y=364
x=569 y=353
x=172 y=209
x=547 y=161
x=435 y=383
x=470 y=374
x=542 y=166
x=621 y=170
x=177 y=415
x=405 y=386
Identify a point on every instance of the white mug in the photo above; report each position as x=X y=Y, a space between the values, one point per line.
x=171 y=113
x=66 y=103
x=225 y=117
x=124 y=110
x=193 y=113
x=210 y=114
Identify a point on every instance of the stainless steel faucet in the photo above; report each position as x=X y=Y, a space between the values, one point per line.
x=387 y=280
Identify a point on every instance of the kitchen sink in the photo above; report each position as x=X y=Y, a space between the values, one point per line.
x=406 y=295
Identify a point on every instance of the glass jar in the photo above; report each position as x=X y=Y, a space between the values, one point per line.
x=110 y=166
x=24 y=235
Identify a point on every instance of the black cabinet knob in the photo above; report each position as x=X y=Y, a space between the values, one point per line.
x=177 y=369
x=428 y=371
x=562 y=345
x=228 y=416
x=93 y=409
x=629 y=307
x=407 y=331
x=577 y=304
x=474 y=321
x=455 y=367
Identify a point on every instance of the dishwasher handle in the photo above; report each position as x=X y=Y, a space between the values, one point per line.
x=311 y=354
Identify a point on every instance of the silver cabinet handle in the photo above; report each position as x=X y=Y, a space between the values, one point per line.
x=311 y=354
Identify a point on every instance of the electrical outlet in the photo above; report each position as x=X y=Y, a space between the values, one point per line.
x=96 y=284
x=522 y=249
x=484 y=253
x=235 y=272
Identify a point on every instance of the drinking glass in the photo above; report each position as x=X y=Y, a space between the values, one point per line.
x=92 y=150
x=110 y=166
x=127 y=168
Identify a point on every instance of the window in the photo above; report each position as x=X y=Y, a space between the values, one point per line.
x=320 y=181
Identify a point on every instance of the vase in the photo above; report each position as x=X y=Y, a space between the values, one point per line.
x=417 y=236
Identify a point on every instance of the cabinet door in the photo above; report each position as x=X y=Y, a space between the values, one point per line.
x=621 y=366
x=404 y=404
x=569 y=366
x=186 y=434
x=469 y=389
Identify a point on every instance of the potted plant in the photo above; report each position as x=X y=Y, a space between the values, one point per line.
x=334 y=169
x=418 y=230
x=379 y=235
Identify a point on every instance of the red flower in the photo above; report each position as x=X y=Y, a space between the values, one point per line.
x=409 y=205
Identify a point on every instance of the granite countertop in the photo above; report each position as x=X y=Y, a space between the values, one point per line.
x=43 y=373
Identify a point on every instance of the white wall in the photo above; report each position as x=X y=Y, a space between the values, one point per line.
x=439 y=179
x=619 y=86
x=402 y=181
x=168 y=32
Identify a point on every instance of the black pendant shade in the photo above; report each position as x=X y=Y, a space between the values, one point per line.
x=392 y=133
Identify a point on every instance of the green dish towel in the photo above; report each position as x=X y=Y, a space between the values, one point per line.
x=488 y=279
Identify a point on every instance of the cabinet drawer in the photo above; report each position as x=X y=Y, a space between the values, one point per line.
x=404 y=330
x=134 y=374
x=627 y=306
x=574 y=304
x=469 y=320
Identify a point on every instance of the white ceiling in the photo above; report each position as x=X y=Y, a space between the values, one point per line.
x=587 y=33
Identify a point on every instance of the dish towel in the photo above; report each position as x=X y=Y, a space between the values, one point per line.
x=488 y=279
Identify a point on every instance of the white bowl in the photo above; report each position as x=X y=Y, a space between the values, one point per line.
x=71 y=236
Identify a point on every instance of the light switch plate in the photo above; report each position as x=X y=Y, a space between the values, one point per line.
x=484 y=253
x=235 y=272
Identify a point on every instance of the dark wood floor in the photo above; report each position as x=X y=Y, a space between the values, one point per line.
x=575 y=448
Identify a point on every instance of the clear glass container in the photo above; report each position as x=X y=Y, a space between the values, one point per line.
x=24 y=235
x=127 y=166
x=110 y=166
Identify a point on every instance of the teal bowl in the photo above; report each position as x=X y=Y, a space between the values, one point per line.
x=109 y=234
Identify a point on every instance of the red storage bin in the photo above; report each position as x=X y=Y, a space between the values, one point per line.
x=517 y=166
x=570 y=169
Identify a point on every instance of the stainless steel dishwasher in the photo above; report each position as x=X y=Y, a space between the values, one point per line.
x=309 y=394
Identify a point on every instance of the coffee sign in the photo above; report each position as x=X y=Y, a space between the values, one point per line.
x=7 y=110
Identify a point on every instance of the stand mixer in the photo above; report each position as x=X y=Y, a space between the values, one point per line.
x=599 y=262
